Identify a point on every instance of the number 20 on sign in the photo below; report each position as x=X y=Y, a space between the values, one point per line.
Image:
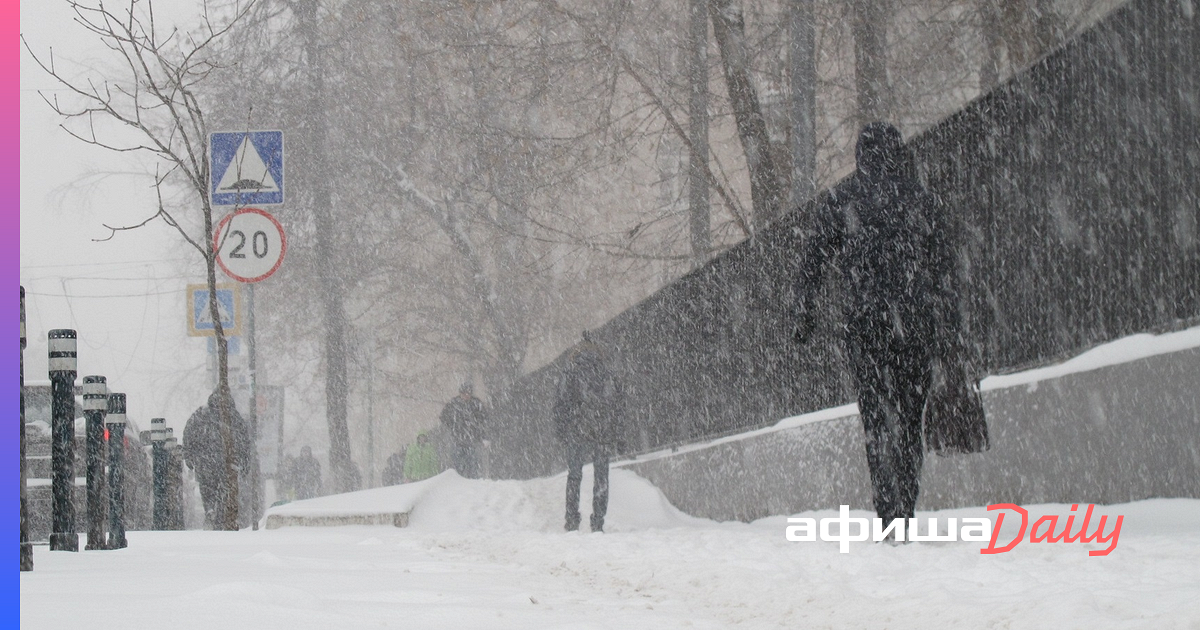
x=250 y=245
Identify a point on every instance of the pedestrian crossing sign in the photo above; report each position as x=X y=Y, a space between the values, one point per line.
x=246 y=168
x=229 y=309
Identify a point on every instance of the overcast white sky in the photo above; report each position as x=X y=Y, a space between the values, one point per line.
x=126 y=296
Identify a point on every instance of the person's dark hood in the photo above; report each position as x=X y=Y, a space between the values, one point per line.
x=881 y=154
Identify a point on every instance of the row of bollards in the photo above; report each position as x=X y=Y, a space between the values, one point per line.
x=103 y=410
x=105 y=419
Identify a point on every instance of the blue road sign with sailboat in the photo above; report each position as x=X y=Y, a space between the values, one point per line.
x=246 y=168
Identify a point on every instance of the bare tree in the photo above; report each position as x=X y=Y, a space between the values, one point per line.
x=766 y=190
x=505 y=172
x=315 y=132
x=698 y=189
x=802 y=79
x=154 y=93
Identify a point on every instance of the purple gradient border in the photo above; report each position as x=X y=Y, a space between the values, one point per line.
x=10 y=316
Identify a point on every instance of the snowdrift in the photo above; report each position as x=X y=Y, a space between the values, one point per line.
x=449 y=502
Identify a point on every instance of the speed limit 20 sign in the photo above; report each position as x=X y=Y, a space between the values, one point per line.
x=250 y=245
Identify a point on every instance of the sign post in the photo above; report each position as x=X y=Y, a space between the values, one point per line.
x=247 y=169
x=250 y=246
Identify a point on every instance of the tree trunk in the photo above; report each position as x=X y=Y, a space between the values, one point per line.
x=1029 y=28
x=340 y=464
x=870 y=59
x=802 y=67
x=223 y=412
x=729 y=31
x=498 y=291
x=698 y=200
x=993 y=44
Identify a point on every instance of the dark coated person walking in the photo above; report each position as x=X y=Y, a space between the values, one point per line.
x=884 y=231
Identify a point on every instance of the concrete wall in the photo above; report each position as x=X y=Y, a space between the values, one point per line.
x=1072 y=193
x=1115 y=434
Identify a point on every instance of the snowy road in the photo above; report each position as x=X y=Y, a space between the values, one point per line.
x=481 y=554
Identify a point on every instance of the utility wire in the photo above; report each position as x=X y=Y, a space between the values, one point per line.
x=111 y=295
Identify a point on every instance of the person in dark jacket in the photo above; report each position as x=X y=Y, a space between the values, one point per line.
x=393 y=473
x=587 y=415
x=883 y=230
x=464 y=419
x=204 y=452
x=306 y=474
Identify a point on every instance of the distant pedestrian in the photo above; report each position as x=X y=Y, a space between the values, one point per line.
x=421 y=460
x=902 y=335
x=588 y=412
x=464 y=419
x=204 y=452
x=285 y=486
x=393 y=472
x=306 y=474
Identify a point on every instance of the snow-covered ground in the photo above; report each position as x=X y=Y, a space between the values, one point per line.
x=491 y=554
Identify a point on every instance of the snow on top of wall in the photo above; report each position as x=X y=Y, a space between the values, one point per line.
x=1124 y=350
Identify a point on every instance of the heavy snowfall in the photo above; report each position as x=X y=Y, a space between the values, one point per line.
x=785 y=266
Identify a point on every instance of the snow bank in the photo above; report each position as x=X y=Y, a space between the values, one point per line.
x=388 y=499
x=449 y=502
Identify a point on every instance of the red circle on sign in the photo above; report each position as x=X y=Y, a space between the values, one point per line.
x=217 y=244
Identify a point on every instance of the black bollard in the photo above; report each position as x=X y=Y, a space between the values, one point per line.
x=174 y=482
x=26 y=546
x=62 y=435
x=116 y=471
x=158 y=453
x=95 y=405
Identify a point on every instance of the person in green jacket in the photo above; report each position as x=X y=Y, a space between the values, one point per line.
x=421 y=460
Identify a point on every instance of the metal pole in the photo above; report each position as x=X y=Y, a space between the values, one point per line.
x=26 y=546
x=370 y=413
x=63 y=362
x=256 y=477
x=158 y=437
x=116 y=471
x=95 y=405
